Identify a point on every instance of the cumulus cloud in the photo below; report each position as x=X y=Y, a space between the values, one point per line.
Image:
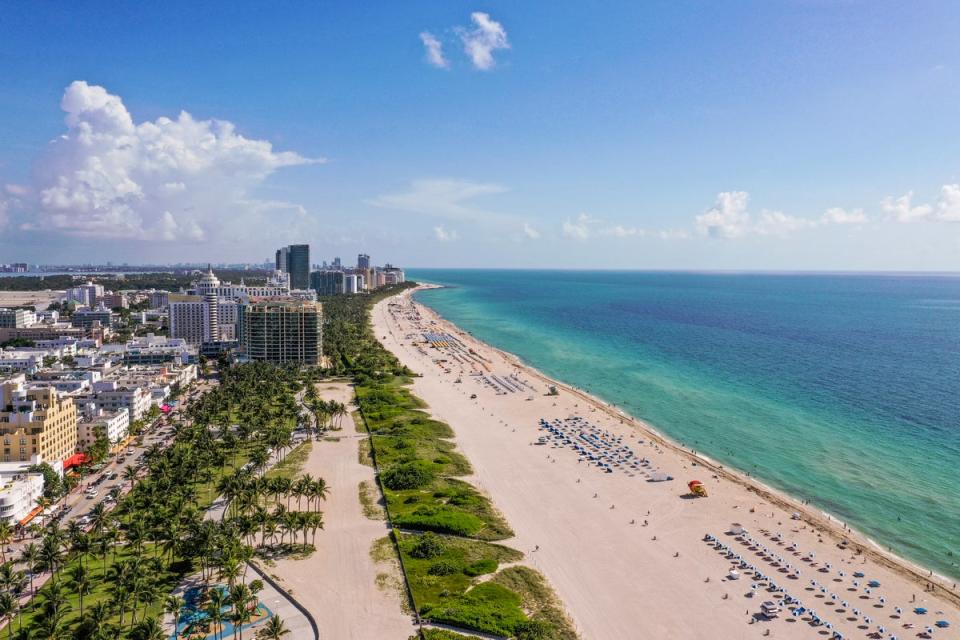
x=443 y=235
x=530 y=232
x=948 y=205
x=170 y=179
x=727 y=218
x=433 y=51
x=579 y=229
x=483 y=39
x=838 y=215
x=902 y=210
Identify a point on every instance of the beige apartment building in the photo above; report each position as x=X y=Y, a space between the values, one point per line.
x=35 y=422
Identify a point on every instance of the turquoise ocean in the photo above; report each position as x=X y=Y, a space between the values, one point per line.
x=840 y=389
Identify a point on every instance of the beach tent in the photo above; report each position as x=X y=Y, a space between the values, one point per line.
x=659 y=476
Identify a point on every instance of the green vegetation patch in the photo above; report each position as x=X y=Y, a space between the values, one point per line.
x=540 y=603
x=448 y=506
x=292 y=463
x=441 y=569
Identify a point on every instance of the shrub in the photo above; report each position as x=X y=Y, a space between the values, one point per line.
x=452 y=522
x=481 y=567
x=427 y=546
x=534 y=630
x=443 y=568
x=408 y=475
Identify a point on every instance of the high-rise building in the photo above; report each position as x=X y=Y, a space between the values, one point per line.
x=35 y=422
x=295 y=260
x=281 y=332
x=327 y=283
x=298 y=266
x=363 y=261
x=190 y=319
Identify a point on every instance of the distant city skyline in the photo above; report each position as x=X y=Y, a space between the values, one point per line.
x=753 y=136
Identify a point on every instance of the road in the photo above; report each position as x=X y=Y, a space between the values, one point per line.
x=78 y=505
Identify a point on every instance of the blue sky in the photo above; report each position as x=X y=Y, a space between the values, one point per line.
x=727 y=135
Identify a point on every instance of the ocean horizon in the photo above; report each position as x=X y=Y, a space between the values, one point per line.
x=839 y=388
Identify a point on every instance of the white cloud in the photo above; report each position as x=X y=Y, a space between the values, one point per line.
x=530 y=232
x=948 y=204
x=170 y=179
x=778 y=223
x=4 y=218
x=479 y=43
x=620 y=231
x=434 y=51
x=443 y=235
x=16 y=189
x=728 y=218
x=902 y=210
x=673 y=234
x=579 y=229
x=444 y=198
x=838 y=215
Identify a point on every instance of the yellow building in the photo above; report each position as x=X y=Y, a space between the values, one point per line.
x=35 y=422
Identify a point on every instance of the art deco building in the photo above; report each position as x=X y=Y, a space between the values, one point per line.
x=35 y=421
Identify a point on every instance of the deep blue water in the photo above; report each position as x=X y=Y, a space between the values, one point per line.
x=843 y=389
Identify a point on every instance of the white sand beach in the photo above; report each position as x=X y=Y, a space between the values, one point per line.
x=625 y=554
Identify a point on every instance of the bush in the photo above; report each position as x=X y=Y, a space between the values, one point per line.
x=452 y=522
x=534 y=630
x=427 y=546
x=481 y=567
x=408 y=475
x=443 y=568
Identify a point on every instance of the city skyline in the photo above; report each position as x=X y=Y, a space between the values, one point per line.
x=642 y=137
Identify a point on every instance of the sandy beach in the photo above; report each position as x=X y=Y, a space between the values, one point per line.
x=628 y=555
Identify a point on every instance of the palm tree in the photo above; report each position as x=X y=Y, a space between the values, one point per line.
x=6 y=536
x=241 y=598
x=174 y=605
x=30 y=556
x=8 y=606
x=274 y=629
x=148 y=629
x=98 y=614
x=130 y=474
x=51 y=553
x=214 y=610
x=81 y=583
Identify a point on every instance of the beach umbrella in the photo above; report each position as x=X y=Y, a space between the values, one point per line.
x=844 y=604
x=897 y=610
x=883 y=600
x=920 y=610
